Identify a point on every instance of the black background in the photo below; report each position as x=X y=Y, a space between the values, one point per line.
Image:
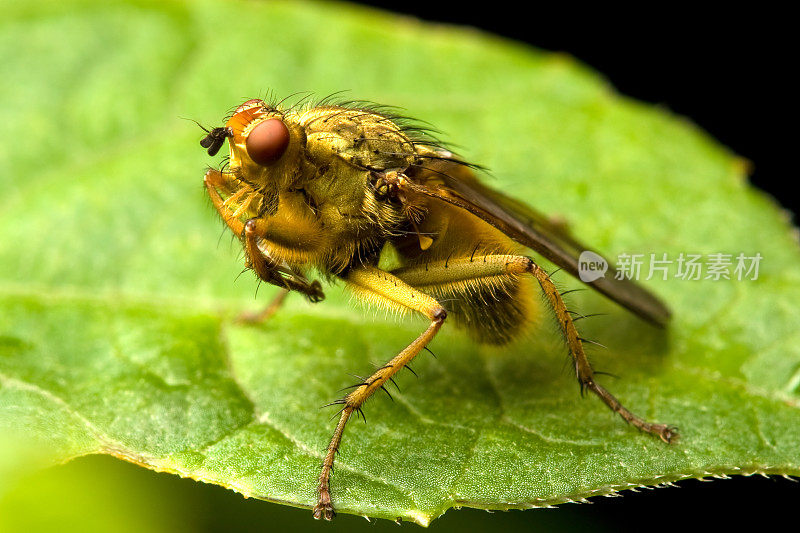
x=729 y=73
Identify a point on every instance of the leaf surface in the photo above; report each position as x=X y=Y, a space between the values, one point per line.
x=118 y=296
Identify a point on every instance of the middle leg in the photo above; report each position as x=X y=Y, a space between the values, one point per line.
x=381 y=288
x=259 y=317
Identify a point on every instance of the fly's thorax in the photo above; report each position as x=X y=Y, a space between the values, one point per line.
x=361 y=138
x=346 y=146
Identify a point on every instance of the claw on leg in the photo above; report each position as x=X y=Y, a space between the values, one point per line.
x=324 y=507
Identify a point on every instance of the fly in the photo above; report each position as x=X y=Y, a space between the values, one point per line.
x=335 y=187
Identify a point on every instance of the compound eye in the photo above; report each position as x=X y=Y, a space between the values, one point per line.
x=268 y=141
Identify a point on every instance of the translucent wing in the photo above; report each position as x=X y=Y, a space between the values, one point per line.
x=453 y=182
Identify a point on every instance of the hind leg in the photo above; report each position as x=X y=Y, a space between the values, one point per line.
x=479 y=268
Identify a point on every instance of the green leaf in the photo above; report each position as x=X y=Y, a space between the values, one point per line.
x=117 y=295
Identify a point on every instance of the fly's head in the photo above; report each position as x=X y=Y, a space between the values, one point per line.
x=265 y=147
x=265 y=143
x=312 y=170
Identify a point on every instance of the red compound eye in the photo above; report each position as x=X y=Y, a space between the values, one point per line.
x=268 y=141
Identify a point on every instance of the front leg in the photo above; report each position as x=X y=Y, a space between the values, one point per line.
x=214 y=181
x=269 y=271
x=265 y=268
x=378 y=287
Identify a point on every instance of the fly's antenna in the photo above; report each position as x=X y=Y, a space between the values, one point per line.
x=193 y=120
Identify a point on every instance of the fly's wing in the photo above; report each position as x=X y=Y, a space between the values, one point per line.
x=454 y=182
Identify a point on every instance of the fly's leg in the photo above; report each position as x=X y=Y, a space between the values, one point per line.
x=582 y=367
x=213 y=180
x=266 y=313
x=269 y=271
x=264 y=268
x=476 y=267
x=379 y=287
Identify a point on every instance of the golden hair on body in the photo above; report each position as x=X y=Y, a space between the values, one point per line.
x=346 y=188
